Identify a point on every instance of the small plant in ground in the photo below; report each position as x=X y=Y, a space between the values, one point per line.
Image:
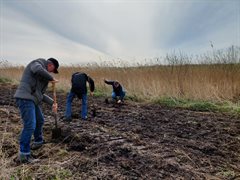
x=229 y=174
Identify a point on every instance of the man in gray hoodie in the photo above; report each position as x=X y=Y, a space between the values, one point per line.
x=29 y=95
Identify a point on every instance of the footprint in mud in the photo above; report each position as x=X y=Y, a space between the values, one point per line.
x=80 y=143
x=77 y=147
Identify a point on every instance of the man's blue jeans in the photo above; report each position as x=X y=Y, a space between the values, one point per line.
x=121 y=95
x=33 y=121
x=70 y=97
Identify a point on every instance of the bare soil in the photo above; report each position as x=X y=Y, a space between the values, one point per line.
x=129 y=141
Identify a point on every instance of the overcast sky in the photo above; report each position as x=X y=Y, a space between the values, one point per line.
x=77 y=31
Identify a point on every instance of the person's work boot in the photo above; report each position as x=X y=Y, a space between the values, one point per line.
x=67 y=119
x=84 y=118
x=26 y=159
x=36 y=146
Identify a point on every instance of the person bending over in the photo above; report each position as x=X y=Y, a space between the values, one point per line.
x=79 y=88
x=118 y=92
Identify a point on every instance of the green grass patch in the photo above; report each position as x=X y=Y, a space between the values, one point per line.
x=225 y=173
x=5 y=80
x=134 y=98
x=198 y=105
x=98 y=93
x=202 y=106
x=171 y=102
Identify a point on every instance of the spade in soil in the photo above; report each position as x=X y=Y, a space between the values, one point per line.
x=56 y=132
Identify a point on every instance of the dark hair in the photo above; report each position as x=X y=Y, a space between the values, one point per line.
x=116 y=83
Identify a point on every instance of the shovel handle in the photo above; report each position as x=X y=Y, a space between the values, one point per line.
x=54 y=101
x=54 y=93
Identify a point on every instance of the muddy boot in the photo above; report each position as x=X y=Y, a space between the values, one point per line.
x=26 y=159
x=36 y=146
x=84 y=118
x=67 y=119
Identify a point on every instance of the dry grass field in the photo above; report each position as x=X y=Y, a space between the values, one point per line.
x=215 y=82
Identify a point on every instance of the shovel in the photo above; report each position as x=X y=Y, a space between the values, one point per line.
x=56 y=132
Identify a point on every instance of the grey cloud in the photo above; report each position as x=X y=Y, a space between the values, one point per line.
x=120 y=28
x=68 y=20
x=193 y=21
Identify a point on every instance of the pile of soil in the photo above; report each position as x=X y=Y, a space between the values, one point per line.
x=128 y=141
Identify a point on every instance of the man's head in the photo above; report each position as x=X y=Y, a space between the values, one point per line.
x=116 y=84
x=52 y=65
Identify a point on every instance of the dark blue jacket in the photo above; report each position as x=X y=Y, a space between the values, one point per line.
x=118 y=90
x=79 y=83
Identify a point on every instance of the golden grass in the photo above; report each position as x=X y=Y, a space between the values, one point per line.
x=217 y=79
x=204 y=82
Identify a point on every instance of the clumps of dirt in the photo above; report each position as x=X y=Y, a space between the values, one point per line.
x=80 y=143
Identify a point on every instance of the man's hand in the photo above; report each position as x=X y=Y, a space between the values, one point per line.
x=54 y=81
x=119 y=101
x=54 y=107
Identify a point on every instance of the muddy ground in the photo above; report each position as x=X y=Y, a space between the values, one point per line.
x=131 y=141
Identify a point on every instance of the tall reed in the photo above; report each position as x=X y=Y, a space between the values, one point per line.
x=211 y=76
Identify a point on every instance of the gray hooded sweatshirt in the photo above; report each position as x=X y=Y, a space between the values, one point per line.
x=34 y=82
